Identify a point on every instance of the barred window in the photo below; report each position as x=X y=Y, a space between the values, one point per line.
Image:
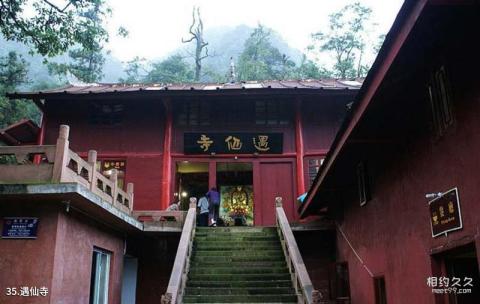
x=313 y=168
x=107 y=114
x=193 y=113
x=272 y=112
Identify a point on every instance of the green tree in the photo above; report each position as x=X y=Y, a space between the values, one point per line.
x=171 y=70
x=13 y=73
x=87 y=61
x=135 y=71
x=260 y=60
x=308 y=69
x=51 y=29
x=346 y=39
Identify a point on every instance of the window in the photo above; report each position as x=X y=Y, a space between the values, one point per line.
x=107 y=114
x=363 y=183
x=313 y=168
x=106 y=166
x=193 y=113
x=272 y=112
x=342 y=282
x=440 y=101
x=99 y=278
x=380 y=292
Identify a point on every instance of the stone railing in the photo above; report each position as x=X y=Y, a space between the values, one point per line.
x=58 y=164
x=154 y=220
x=178 y=277
x=300 y=278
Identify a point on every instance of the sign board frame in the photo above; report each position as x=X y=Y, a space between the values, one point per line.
x=32 y=232
x=457 y=199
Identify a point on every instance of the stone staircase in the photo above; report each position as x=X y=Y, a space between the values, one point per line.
x=238 y=265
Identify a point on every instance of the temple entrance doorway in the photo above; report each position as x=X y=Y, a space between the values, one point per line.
x=235 y=184
x=191 y=181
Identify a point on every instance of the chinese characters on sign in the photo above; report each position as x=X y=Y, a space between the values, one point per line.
x=19 y=227
x=233 y=143
x=26 y=291
x=445 y=213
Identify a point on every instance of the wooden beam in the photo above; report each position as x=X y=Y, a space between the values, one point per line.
x=299 y=147
x=167 y=159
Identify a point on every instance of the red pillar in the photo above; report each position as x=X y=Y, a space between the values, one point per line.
x=299 y=147
x=167 y=159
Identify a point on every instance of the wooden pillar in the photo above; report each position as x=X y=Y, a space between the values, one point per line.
x=299 y=147
x=167 y=159
x=212 y=174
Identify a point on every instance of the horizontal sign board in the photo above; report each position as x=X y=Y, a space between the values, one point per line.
x=19 y=227
x=233 y=143
x=445 y=213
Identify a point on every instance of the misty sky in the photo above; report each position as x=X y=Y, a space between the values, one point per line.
x=156 y=27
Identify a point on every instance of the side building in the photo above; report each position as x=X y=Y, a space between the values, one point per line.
x=400 y=179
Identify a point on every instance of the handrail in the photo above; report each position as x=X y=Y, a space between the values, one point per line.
x=178 y=278
x=300 y=278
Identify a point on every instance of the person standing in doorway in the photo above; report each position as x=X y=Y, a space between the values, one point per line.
x=203 y=217
x=214 y=199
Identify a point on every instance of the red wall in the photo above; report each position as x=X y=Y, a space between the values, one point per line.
x=28 y=262
x=139 y=139
x=60 y=258
x=392 y=232
x=75 y=241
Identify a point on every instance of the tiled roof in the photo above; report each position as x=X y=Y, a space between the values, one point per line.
x=328 y=84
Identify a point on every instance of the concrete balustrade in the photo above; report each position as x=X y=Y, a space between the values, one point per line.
x=58 y=164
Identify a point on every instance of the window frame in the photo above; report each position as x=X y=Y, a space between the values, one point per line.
x=363 y=182
x=96 y=278
x=380 y=289
x=440 y=100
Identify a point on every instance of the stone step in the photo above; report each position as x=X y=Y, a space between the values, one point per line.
x=241 y=258
x=237 y=247
x=240 y=298
x=233 y=238
x=244 y=270
x=236 y=243
x=239 y=284
x=237 y=229
x=240 y=264
x=239 y=291
x=239 y=277
x=252 y=253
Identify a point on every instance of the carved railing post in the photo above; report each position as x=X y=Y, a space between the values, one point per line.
x=130 y=195
x=193 y=203
x=166 y=298
x=92 y=160
x=279 y=201
x=114 y=179
x=61 y=153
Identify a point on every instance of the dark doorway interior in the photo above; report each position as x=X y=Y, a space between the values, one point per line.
x=462 y=263
x=192 y=181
